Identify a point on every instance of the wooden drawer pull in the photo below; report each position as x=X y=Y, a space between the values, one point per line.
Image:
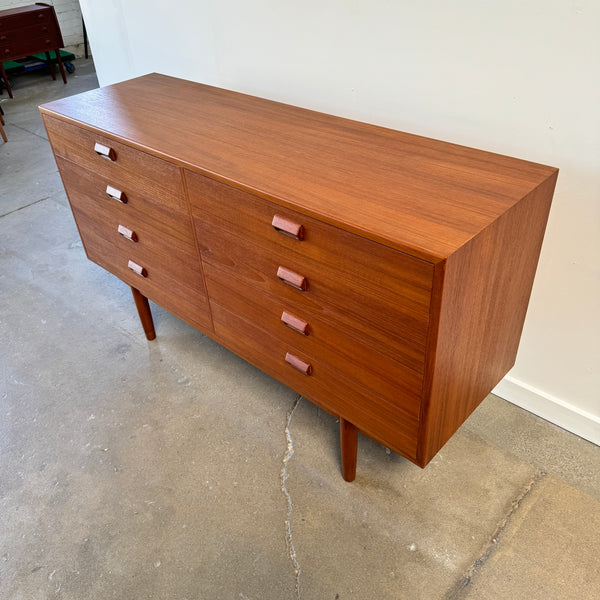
x=294 y=323
x=138 y=269
x=302 y=366
x=287 y=227
x=116 y=194
x=294 y=279
x=105 y=151
x=127 y=233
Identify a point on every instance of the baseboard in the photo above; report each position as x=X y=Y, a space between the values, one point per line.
x=563 y=414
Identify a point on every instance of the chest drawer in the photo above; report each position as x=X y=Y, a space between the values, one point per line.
x=26 y=19
x=374 y=415
x=390 y=277
x=128 y=169
x=328 y=344
x=95 y=194
x=359 y=310
x=162 y=277
x=136 y=241
x=16 y=41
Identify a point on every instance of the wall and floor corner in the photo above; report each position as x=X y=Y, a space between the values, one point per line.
x=511 y=78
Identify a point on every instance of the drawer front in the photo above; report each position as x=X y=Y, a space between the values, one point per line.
x=158 y=278
x=23 y=40
x=373 y=415
x=131 y=169
x=26 y=19
x=304 y=331
x=142 y=244
x=97 y=195
x=24 y=48
x=341 y=302
x=386 y=274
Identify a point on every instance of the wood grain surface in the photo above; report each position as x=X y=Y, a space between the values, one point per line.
x=374 y=415
x=412 y=259
x=416 y=194
x=480 y=304
x=329 y=343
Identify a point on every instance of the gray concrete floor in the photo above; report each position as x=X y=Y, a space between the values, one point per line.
x=174 y=470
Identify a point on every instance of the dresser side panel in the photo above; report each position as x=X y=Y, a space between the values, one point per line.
x=485 y=292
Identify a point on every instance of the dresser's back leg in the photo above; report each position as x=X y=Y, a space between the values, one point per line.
x=348 y=444
x=143 y=308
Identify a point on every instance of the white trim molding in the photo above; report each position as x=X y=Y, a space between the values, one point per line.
x=550 y=408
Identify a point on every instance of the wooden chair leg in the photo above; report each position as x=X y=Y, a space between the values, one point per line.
x=143 y=308
x=349 y=446
x=2 y=133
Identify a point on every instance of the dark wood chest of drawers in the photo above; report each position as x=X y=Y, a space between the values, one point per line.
x=29 y=30
x=382 y=275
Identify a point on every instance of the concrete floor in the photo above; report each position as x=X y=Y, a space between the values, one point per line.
x=174 y=470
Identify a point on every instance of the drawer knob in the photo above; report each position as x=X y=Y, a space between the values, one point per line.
x=298 y=364
x=293 y=279
x=105 y=151
x=294 y=323
x=138 y=269
x=116 y=194
x=127 y=233
x=287 y=227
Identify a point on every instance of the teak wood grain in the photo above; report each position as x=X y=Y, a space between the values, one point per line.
x=378 y=418
x=360 y=310
x=143 y=203
x=395 y=277
x=413 y=193
x=411 y=259
x=326 y=342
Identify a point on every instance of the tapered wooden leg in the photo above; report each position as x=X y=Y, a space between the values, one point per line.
x=143 y=308
x=349 y=444
x=60 y=65
x=50 y=65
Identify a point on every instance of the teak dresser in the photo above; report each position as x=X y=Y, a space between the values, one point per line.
x=382 y=275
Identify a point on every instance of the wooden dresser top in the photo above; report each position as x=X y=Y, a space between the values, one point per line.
x=413 y=193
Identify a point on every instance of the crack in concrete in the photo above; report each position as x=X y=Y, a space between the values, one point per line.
x=501 y=527
x=284 y=477
x=17 y=126
x=25 y=206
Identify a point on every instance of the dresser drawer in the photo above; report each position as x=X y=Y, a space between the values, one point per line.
x=161 y=280
x=358 y=310
x=386 y=274
x=90 y=192
x=26 y=18
x=327 y=344
x=131 y=169
x=22 y=40
x=372 y=414
x=21 y=48
x=156 y=253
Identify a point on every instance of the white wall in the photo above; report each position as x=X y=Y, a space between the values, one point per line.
x=519 y=78
x=68 y=13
